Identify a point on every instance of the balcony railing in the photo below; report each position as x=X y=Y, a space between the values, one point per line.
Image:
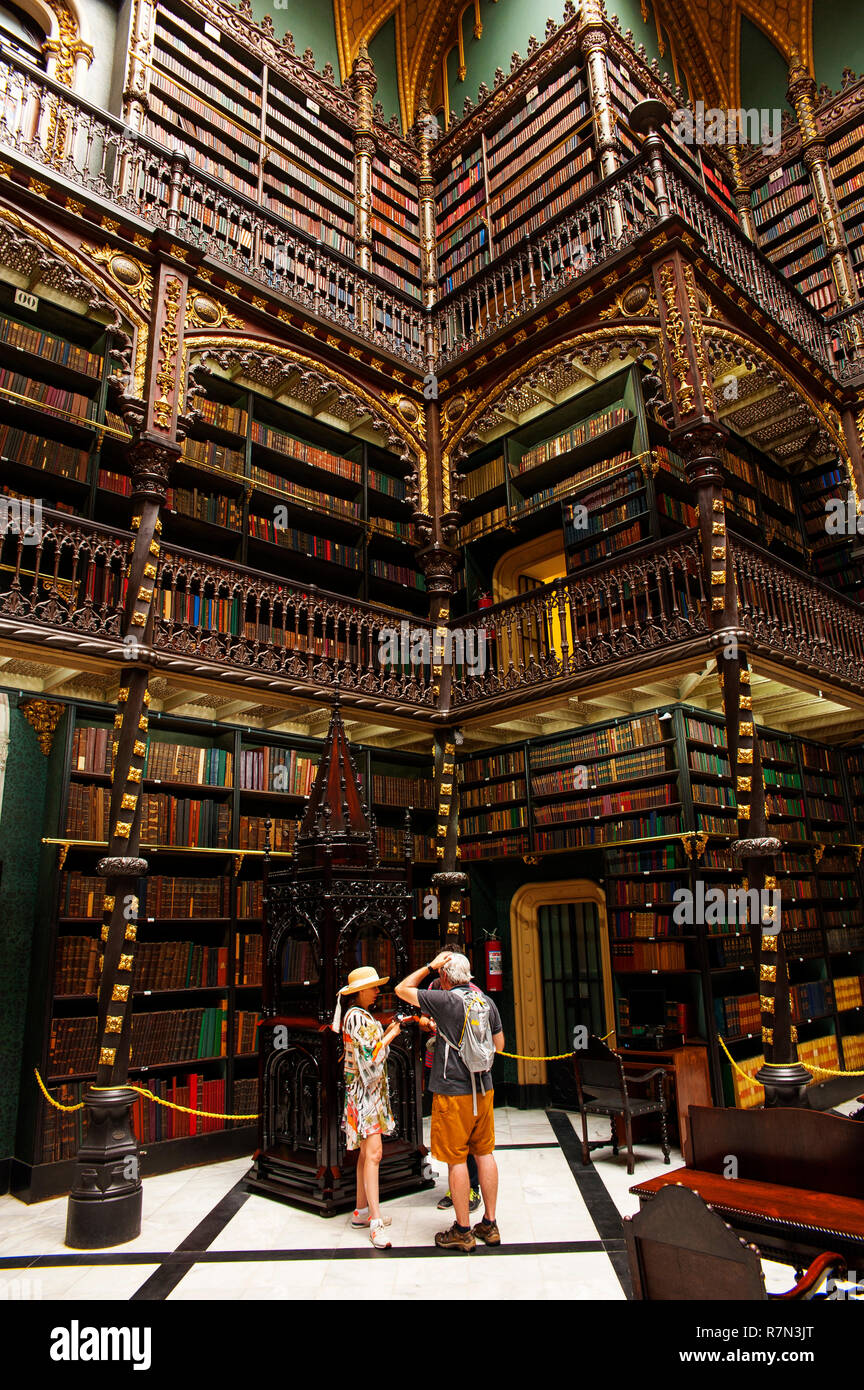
x=797 y=618
x=603 y=221
x=213 y=618
x=647 y=606
x=731 y=252
x=48 y=126
x=225 y=622
x=53 y=130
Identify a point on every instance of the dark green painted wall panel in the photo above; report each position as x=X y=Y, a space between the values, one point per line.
x=32 y=780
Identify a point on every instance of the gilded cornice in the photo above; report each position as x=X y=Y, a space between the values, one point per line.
x=389 y=415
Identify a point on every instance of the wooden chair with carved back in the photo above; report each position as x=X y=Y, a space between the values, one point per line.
x=603 y=1088
x=681 y=1249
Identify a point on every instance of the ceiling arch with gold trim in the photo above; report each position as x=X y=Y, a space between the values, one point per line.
x=708 y=31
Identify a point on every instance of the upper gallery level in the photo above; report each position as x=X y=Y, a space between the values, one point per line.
x=431 y=246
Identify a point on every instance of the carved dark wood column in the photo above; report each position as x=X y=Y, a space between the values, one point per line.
x=363 y=85
x=801 y=94
x=105 y=1202
x=741 y=193
x=698 y=436
x=593 y=34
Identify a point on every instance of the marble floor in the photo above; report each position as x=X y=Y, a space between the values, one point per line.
x=204 y=1236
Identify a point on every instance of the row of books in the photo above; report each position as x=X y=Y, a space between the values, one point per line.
x=636 y=956
x=571 y=438
x=391 y=790
x=164 y=819
x=738 y=1015
x=183 y=762
x=391 y=844
x=306 y=496
x=492 y=765
x=91 y=748
x=214 y=507
x=119 y=483
x=161 y=895
x=63 y=1131
x=502 y=791
x=248 y=958
x=299 y=966
x=49 y=455
x=483 y=479
x=610 y=545
x=319 y=547
x=277 y=769
x=49 y=347
x=208 y=453
x=811 y=1000
x=617 y=803
x=160 y=965
x=171 y=1035
x=252 y=834
x=396 y=574
x=48 y=396
x=654 y=824
x=280 y=442
x=576 y=748
x=623 y=926
x=512 y=818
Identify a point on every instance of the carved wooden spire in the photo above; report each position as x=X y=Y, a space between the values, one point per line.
x=336 y=827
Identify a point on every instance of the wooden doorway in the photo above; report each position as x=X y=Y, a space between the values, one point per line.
x=562 y=971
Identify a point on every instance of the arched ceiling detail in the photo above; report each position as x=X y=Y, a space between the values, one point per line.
x=709 y=31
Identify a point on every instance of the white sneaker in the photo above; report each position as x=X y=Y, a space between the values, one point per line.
x=378 y=1235
x=361 y=1219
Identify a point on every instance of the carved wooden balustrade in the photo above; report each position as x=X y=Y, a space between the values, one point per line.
x=69 y=141
x=603 y=221
x=796 y=618
x=214 y=618
x=226 y=622
x=625 y=611
x=735 y=256
x=45 y=124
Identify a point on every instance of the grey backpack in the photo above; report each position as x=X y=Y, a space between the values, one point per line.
x=475 y=1046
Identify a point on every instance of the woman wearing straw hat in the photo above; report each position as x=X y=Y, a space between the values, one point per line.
x=367 y=1103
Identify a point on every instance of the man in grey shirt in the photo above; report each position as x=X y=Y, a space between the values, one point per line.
x=456 y=1129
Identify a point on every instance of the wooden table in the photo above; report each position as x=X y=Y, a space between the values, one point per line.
x=687 y=1074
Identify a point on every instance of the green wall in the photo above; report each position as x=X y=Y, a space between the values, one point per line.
x=507 y=27
x=838 y=39
x=311 y=24
x=764 y=74
x=382 y=51
x=31 y=791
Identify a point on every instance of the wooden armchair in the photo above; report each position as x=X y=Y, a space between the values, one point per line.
x=681 y=1249
x=603 y=1088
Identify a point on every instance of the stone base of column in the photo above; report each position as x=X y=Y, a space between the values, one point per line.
x=785 y=1084
x=105 y=1202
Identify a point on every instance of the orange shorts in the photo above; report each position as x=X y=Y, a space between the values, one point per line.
x=457 y=1131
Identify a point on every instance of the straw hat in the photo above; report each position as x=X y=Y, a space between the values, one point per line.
x=364 y=977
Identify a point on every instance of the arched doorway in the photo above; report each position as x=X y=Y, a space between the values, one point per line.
x=562 y=970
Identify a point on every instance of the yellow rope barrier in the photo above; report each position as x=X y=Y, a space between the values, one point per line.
x=142 y=1091
x=811 y=1066
x=517 y=1057
x=560 y=1057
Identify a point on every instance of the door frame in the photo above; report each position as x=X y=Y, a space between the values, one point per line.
x=528 y=967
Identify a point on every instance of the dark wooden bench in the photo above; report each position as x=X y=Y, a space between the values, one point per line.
x=791 y=1180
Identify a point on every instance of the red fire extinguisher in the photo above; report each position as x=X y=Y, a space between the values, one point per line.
x=494 y=974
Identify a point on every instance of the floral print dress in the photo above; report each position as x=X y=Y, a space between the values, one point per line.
x=367 y=1102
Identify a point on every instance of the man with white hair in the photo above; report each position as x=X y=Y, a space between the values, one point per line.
x=463 y=1118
